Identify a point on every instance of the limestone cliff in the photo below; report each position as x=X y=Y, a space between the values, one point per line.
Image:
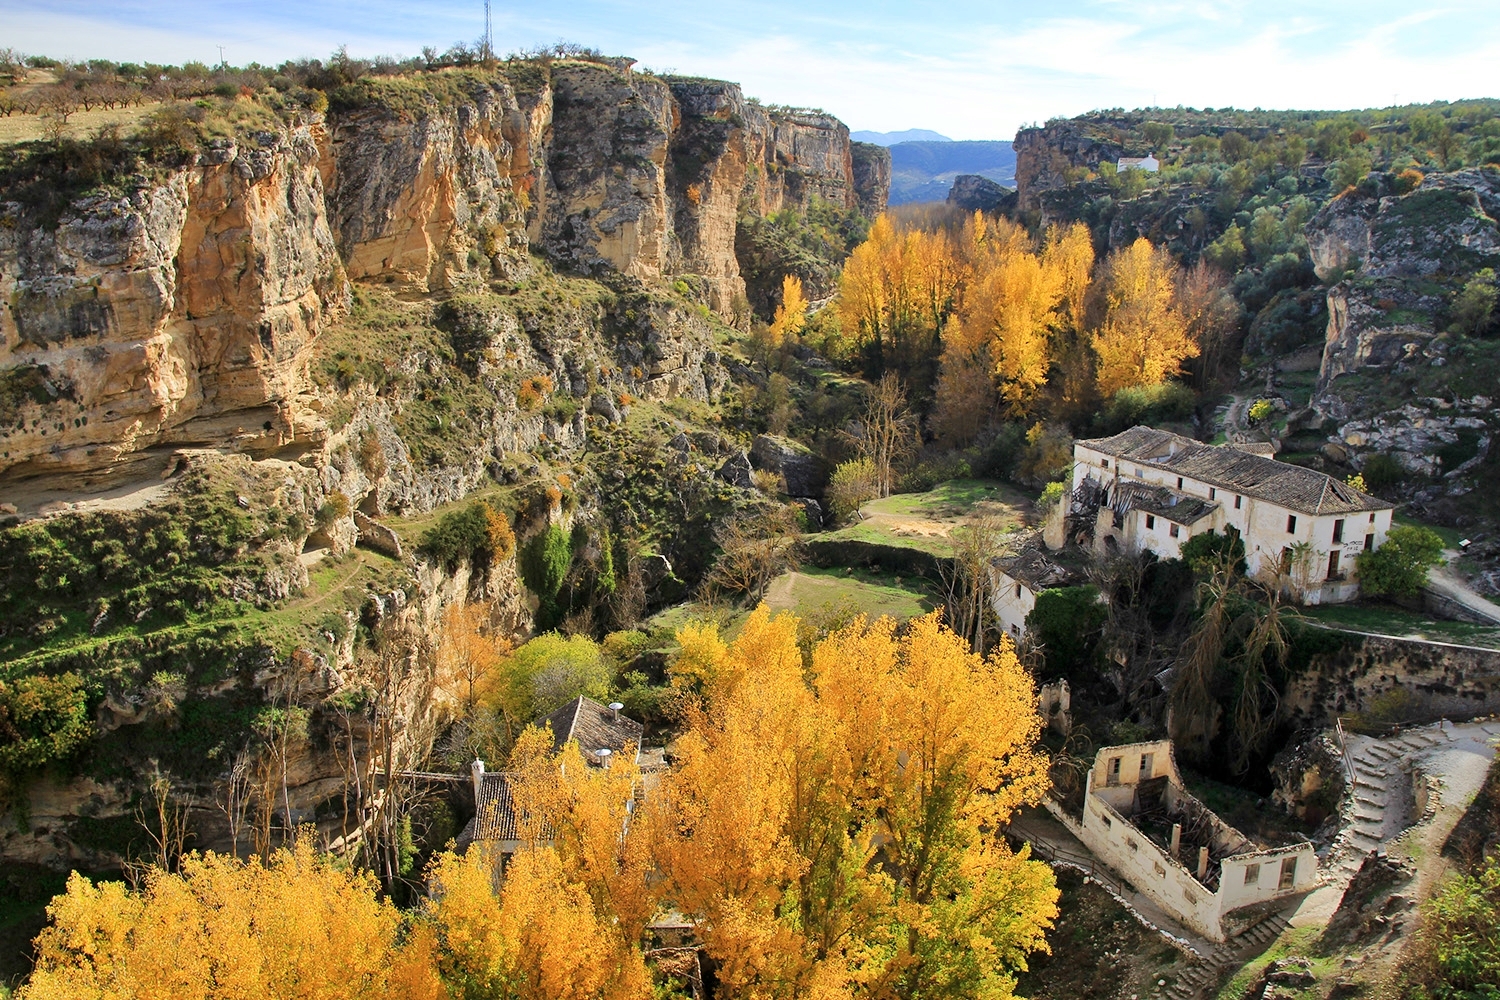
x=184 y=310
x=1045 y=156
x=179 y=313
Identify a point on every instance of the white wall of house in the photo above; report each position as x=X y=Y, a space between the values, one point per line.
x=1012 y=602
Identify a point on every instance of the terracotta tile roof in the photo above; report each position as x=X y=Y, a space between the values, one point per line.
x=494 y=811
x=1161 y=501
x=1291 y=486
x=594 y=727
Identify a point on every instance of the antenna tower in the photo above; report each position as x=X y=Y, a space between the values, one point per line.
x=489 y=47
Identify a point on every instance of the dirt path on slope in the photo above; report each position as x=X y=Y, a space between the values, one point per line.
x=1447 y=582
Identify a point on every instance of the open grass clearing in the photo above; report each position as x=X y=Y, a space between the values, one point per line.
x=871 y=594
x=924 y=521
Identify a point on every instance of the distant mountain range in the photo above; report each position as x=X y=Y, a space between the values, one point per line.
x=891 y=138
x=924 y=171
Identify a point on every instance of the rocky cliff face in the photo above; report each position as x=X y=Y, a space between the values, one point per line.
x=180 y=313
x=1396 y=262
x=184 y=312
x=1044 y=156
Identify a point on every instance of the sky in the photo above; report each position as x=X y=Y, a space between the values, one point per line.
x=971 y=70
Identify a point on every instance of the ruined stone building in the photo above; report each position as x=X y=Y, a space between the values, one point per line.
x=1142 y=822
x=1150 y=490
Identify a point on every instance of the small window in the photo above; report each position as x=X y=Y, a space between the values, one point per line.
x=1113 y=777
x=1252 y=874
x=1237 y=502
x=1107 y=821
x=1179 y=482
x=1333 y=566
x=1291 y=524
x=1174 y=531
x=1286 y=560
x=1288 y=873
x=1146 y=765
x=1018 y=590
x=1213 y=494
x=1369 y=542
x=1150 y=522
x=1372 y=517
x=1015 y=629
x=1159 y=869
x=1132 y=845
x=1103 y=463
x=1338 y=531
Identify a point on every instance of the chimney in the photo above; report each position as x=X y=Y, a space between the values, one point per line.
x=614 y=709
x=602 y=756
x=1176 y=839
x=477 y=770
x=1202 y=863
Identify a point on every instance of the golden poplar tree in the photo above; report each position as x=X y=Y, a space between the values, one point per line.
x=833 y=830
x=1144 y=337
x=299 y=925
x=791 y=313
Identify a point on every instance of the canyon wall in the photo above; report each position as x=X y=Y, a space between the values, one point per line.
x=183 y=312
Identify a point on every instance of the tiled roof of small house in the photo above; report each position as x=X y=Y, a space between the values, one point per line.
x=595 y=727
x=494 y=810
x=1162 y=501
x=1289 y=486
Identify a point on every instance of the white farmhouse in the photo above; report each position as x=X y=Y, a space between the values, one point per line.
x=1149 y=163
x=1153 y=490
x=1142 y=822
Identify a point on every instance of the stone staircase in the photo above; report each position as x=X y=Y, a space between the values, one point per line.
x=1203 y=978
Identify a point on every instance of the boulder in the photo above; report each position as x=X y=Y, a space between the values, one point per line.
x=736 y=470
x=805 y=474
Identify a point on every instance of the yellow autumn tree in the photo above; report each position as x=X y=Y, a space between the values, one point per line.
x=467 y=658
x=569 y=916
x=791 y=313
x=1144 y=338
x=299 y=925
x=834 y=831
x=896 y=292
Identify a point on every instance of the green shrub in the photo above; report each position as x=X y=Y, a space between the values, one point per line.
x=1149 y=404
x=553 y=670
x=1459 y=953
x=545 y=560
x=1399 y=567
x=1052 y=493
x=1204 y=552
x=463 y=535
x=335 y=508
x=1066 y=624
x=1382 y=471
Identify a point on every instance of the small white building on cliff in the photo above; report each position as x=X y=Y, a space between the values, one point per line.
x=1151 y=490
x=1149 y=163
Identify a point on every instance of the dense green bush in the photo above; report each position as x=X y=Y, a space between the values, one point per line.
x=545 y=560
x=1206 y=551
x=1066 y=624
x=459 y=535
x=1381 y=472
x=1399 y=567
x=553 y=670
x=1148 y=404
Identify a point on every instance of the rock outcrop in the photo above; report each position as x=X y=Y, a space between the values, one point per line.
x=974 y=193
x=1044 y=157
